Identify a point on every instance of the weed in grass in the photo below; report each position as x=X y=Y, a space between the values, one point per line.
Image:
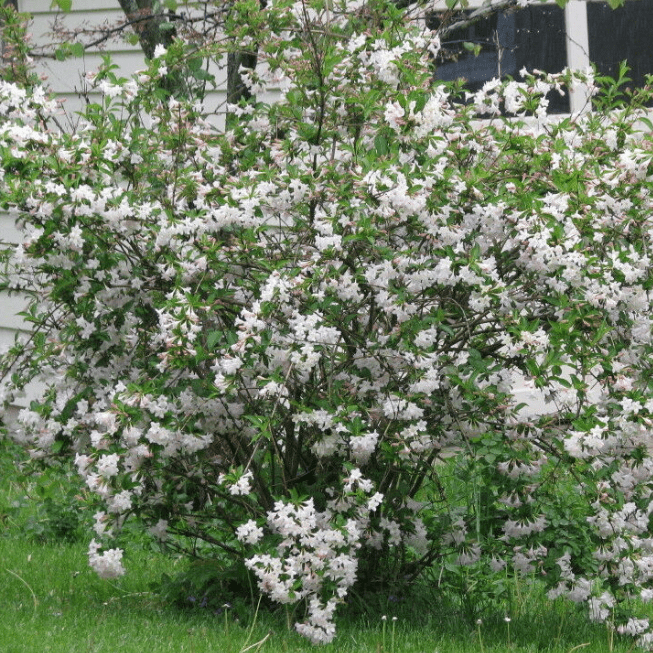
x=479 y=623
x=225 y=609
x=209 y=586
x=507 y=620
x=256 y=645
x=77 y=613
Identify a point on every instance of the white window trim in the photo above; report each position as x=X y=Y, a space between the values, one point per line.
x=578 y=48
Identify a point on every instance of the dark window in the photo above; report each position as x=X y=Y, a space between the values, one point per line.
x=621 y=34
x=455 y=61
x=531 y=38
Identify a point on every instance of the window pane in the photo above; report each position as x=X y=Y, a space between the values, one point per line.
x=623 y=33
x=531 y=38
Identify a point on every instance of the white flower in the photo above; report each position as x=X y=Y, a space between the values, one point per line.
x=110 y=90
x=230 y=365
x=249 y=533
x=394 y=113
x=82 y=462
x=107 y=564
x=100 y=525
x=470 y=555
x=242 y=486
x=524 y=527
x=121 y=502
x=633 y=627
x=497 y=564
x=419 y=539
x=159 y=51
x=580 y=590
x=374 y=501
x=107 y=465
x=160 y=529
x=363 y=446
x=326 y=242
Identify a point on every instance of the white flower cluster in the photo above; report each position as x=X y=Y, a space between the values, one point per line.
x=107 y=564
x=312 y=554
x=240 y=486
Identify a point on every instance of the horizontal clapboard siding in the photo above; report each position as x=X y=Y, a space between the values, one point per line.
x=67 y=78
x=67 y=81
x=8 y=232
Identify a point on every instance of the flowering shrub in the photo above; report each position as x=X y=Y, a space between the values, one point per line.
x=262 y=340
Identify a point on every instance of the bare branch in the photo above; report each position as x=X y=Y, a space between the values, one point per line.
x=477 y=14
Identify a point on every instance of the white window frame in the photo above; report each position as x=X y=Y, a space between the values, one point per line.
x=578 y=48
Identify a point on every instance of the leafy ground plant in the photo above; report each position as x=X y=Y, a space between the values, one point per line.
x=43 y=502
x=260 y=340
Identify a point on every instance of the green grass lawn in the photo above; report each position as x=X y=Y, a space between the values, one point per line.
x=50 y=601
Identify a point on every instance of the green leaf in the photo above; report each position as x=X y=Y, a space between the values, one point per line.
x=195 y=63
x=77 y=49
x=203 y=75
x=64 y=5
x=381 y=145
x=57 y=446
x=66 y=50
x=212 y=339
x=474 y=48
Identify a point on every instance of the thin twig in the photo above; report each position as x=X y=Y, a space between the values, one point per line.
x=22 y=580
x=475 y=15
x=256 y=645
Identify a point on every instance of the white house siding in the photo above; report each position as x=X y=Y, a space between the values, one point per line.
x=66 y=80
